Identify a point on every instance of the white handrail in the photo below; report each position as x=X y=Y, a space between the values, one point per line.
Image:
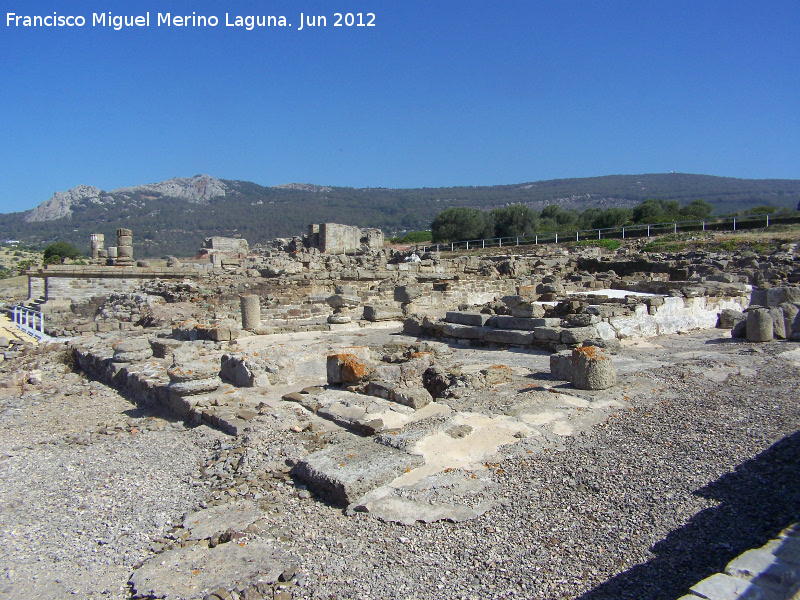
x=30 y=321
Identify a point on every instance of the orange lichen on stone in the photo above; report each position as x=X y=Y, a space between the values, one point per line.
x=353 y=368
x=590 y=352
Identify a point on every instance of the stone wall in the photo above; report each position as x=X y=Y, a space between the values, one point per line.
x=334 y=238
x=80 y=284
x=225 y=245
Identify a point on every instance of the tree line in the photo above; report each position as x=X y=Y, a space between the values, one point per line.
x=517 y=220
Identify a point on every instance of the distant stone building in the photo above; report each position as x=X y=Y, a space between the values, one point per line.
x=230 y=250
x=333 y=238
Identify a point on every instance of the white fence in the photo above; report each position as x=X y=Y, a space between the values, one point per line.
x=620 y=232
x=30 y=321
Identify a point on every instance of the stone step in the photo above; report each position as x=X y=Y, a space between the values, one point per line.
x=345 y=472
x=474 y=319
x=361 y=414
x=523 y=323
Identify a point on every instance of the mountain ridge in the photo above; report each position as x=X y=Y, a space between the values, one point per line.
x=173 y=217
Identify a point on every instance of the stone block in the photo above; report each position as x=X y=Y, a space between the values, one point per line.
x=576 y=335
x=246 y=371
x=467 y=318
x=729 y=317
x=344 y=472
x=778 y=323
x=132 y=350
x=790 y=312
x=759 y=326
x=592 y=369
x=343 y=301
x=191 y=370
x=528 y=310
x=465 y=332
x=345 y=367
x=762 y=567
x=561 y=365
x=509 y=336
x=527 y=324
x=381 y=389
x=408 y=293
x=416 y=396
x=412 y=370
x=226 y=330
x=497 y=374
x=195 y=386
x=231 y=565
x=547 y=334
x=375 y=313
x=725 y=587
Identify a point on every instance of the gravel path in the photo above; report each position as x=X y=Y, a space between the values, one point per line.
x=88 y=481
x=642 y=506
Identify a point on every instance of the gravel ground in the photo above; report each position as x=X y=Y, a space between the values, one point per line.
x=642 y=506
x=88 y=481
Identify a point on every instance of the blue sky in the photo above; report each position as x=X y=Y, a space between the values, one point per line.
x=438 y=93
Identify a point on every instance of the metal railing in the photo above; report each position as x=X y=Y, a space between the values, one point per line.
x=30 y=321
x=735 y=223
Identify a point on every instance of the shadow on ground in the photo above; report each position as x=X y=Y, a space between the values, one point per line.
x=758 y=500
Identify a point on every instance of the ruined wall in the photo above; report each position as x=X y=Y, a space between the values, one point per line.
x=80 y=284
x=225 y=245
x=334 y=238
x=337 y=239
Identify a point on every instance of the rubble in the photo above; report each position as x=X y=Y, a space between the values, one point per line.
x=397 y=389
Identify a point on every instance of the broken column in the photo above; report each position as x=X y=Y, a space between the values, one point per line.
x=592 y=369
x=251 y=311
x=124 y=247
x=111 y=253
x=760 y=327
x=97 y=240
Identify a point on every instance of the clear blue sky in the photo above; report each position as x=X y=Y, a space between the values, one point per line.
x=438 y=93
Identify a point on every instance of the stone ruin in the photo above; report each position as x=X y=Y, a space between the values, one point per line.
x=379 y=362
x=333 y=238
x=210 y=349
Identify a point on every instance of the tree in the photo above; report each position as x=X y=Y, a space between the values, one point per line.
x=649 y=211
x=514 y=220
x=459 y=223
x=57 y=253
x=697 y=209
x=612 y=217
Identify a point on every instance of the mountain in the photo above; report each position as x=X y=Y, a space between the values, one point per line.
x=200 y=189
x=174 y=216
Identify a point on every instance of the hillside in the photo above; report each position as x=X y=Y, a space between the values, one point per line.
x=173 y=217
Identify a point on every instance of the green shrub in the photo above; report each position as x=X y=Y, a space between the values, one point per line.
x=607 y=244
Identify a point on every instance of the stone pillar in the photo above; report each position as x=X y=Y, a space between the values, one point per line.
x=111 y=252
x=97 y=240
x=251 y=311
x=124 y=247
x=760 y=326
x=592 y=369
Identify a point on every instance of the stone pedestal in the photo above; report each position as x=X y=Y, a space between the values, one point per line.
x=251 y=311
x=124 y=248
x=592 y=369
x=760 y=326
x=97 y=240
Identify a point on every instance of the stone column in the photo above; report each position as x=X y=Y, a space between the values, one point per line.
x=97 y=240
x=251 y=311
x=111 y=252
x=124 y=247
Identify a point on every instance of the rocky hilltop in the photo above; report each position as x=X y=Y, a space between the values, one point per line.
x=200 y=189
